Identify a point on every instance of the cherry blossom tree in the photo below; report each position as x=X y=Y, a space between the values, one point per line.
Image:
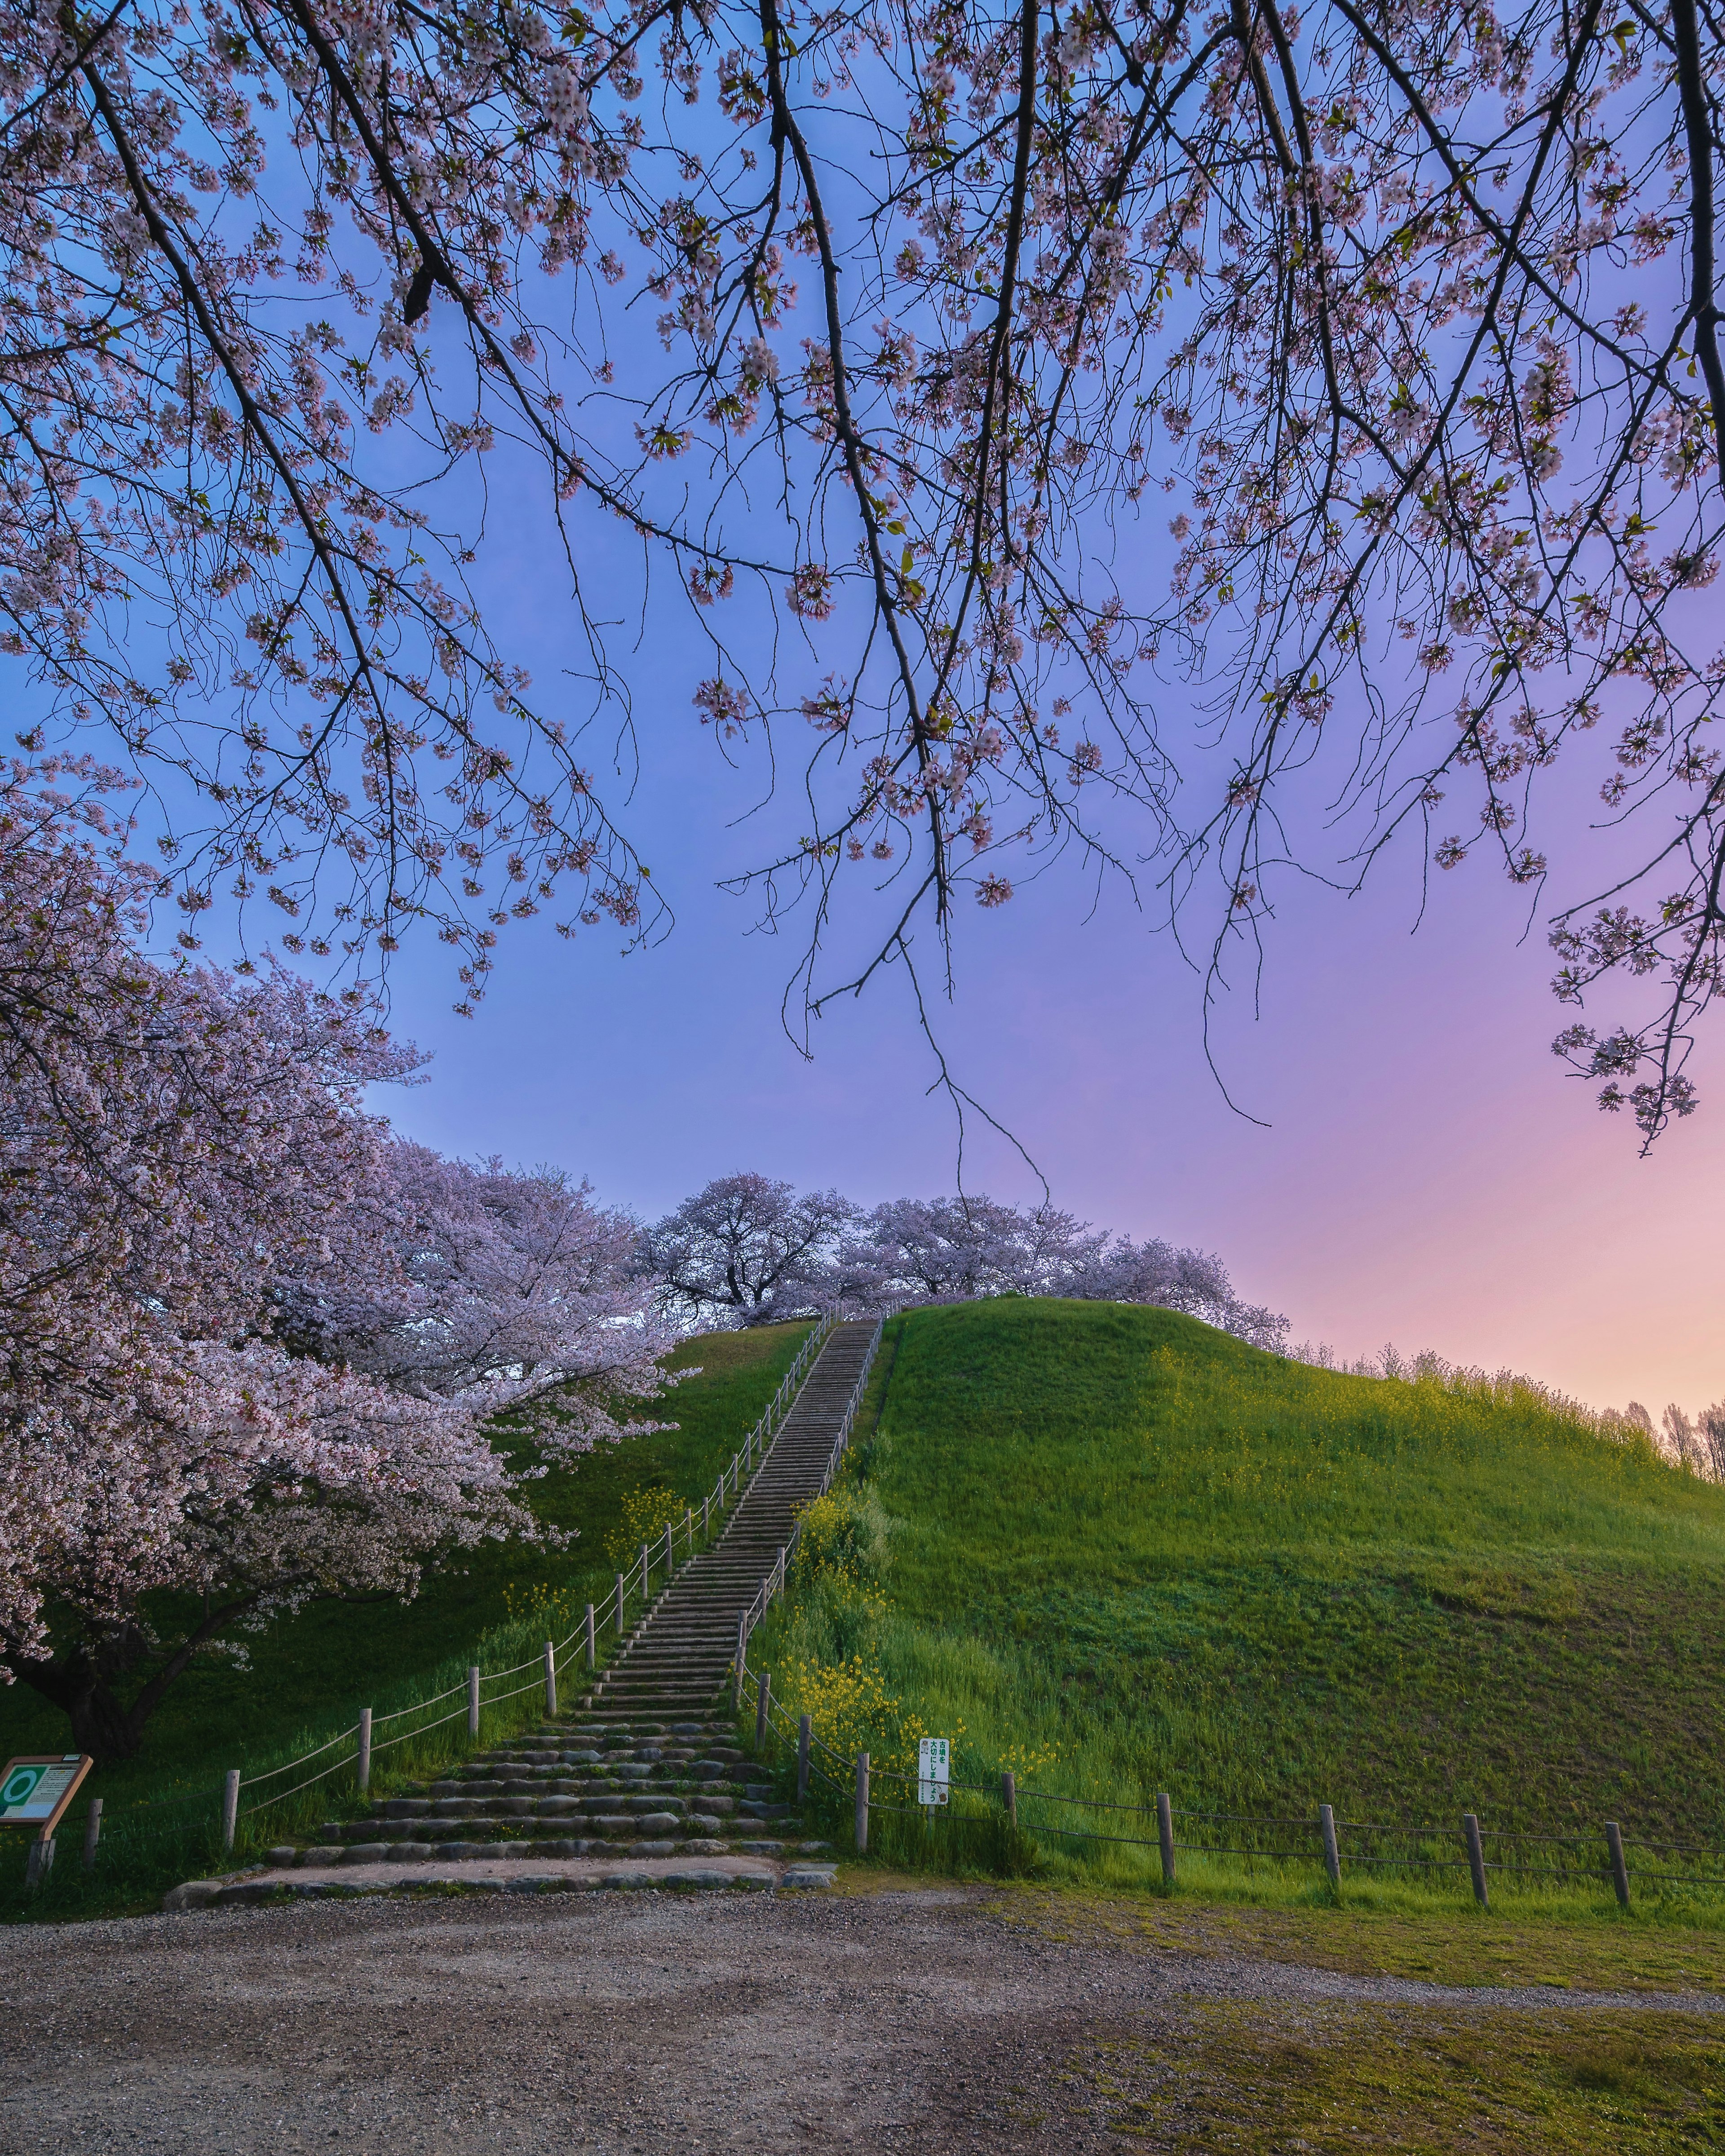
x=950 y=1249
x=947 y=1249
x=505 y=1288
x=1404 y=319
x=173 y=1146
x=1194 y=1281
x=747 y=1251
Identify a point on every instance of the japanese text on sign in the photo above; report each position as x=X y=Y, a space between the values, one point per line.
x=934 y=1757
x=32 y=1789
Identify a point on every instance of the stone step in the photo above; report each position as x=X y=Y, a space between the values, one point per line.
x=668 y=1678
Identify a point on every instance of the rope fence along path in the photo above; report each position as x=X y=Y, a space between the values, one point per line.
x=695 y=1637
x=1603 y=1858
x=702 y=1527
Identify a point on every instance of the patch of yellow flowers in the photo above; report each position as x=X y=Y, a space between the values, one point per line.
x=647 y=1512
x=549 y=1607
x=852 y=1711
x=1025 y=1761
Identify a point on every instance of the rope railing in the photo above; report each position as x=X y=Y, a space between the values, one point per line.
x=1325 y=1830
x=270 y=1773
x=773 y=1584
x=706 y=1526
x=635 y=1582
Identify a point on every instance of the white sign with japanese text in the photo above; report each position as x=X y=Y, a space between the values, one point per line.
x=934 y=1767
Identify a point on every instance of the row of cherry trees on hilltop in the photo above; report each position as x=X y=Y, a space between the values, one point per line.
x=251 y=1343
x=997 y=385
x=748 y=1250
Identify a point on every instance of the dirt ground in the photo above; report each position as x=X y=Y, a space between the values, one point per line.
x=618 y=2024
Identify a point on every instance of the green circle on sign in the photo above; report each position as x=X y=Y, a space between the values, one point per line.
x=19 y=1784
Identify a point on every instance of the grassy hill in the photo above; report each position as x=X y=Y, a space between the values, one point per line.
x=311 y=1672
x=1127 y=1552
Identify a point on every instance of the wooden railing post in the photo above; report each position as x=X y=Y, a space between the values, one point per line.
x=1333 y=1855
x=619 y=1605
x=363 y=1765
x=551 y=1677
x=230 y=1807
x=1475 y=1858
x=862 y=1804
x=1619 y=1869
x=763 y=1698
x=593 y=1642
x=92 y=1832
x=473 y=1700
x=1165 y=1838
x=1009 y=1795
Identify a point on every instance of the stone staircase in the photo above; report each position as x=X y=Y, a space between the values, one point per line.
x=680 y=1656
x=596 y=1785
x=647 y=1765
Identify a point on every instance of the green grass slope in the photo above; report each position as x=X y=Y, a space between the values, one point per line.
x=312 y=1671
x=1131 y=1553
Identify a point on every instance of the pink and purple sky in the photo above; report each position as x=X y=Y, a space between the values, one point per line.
x=1424 y=1173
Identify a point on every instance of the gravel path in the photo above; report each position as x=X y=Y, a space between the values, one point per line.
x=610 y=2024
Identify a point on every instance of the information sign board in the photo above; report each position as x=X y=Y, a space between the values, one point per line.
x=934 y=1767
x=34 y=1791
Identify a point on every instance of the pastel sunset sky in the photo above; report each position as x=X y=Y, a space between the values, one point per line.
x=1422 y=1173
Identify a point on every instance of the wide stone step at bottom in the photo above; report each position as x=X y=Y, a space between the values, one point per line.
x=644 y=1847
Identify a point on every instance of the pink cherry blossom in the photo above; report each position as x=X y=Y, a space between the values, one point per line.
x=184 y=1158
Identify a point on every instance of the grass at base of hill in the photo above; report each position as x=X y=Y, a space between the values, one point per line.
x=1332 y=2077
x=1128 y=1553
x=305 y=1676
x=1321 y=2075
x=1592 y=1951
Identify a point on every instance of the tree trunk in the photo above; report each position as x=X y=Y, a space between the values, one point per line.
x=102 y=1723
x=81 y=1680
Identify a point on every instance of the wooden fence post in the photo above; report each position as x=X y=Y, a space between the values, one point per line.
x=1475 y=1858
x=741 y=1669
x=1009 y=1794
x=1619 y=1869
x=551 y=1677
x=592 y=1644
x=805 y=1738
x=1165 y=1837
x=92 y=1832
x=646 y=1573
x=763 y=1700
x=670 y=1554
x=473 y=1700
x=619 y=1605
x=230 y=1806
x=862 y=1804
x=363 y=1767
x=38 y=1861
x=706 y=1515
x=1333 y=1855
